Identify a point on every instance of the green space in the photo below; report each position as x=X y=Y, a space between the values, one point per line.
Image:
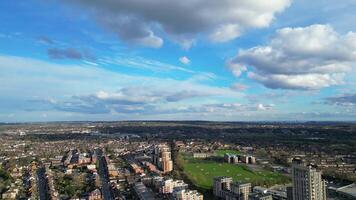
x=202 y=172
x=222 y=152
x=72 y=186
x=5 y=180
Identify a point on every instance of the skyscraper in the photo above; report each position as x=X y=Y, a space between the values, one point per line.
x=307 y=182
x=162 y=158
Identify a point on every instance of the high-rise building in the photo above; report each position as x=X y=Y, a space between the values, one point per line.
x=241 y=190
x=224 y=188
x=221 y=184
x=187 y=195
x=162 y=158
x=307 y=182
x=167 y=165
x=166 y=186
x=290 y=193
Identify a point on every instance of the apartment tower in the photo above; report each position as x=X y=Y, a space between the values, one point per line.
x=307 y=182
x=162 y=158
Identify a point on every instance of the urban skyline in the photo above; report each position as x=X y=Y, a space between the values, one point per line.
x=177 y=161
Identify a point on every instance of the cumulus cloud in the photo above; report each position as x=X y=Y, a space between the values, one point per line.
x=61 y=90
x=225 y=33
x=184 y=60
x=69 y=53
x=236 y=68
x=147 y=104
x=61 y=78
x=129 y=100
x=139 y=21
x=130 y=29
x=303 y=58
x=348 y=100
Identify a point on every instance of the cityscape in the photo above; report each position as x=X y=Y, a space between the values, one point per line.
x=177 y=100
x=158 y=160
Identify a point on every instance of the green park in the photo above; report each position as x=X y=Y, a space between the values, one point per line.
x=202 y=171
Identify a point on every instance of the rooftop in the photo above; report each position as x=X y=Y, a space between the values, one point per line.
x=349 y=190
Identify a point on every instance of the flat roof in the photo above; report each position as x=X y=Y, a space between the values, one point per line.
x=348 y=189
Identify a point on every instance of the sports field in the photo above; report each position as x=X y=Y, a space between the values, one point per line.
x=201 y=172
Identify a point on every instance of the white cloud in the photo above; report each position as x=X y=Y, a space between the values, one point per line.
x=225 y=33
x=346 y=100
x=236 y=68
x=31 y=85
x=185 y=60
x=239 y=87
x=150 y=41
x=140 y=20
x=142 y=63
x=263 y=107
x=311 y=57
x=303 y=82
x=131 y=29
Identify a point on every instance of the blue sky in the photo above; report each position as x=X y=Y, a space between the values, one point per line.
x=241 y=60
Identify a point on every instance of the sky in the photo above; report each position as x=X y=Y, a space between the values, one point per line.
x=220 y=60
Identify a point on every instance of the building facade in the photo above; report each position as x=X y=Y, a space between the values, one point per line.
x=259 y=196
x=187 y=195
x=235 y=159
x=241 y=190
x=224 y=188
x=221 y=184
x=162 y=158
x=307 y=182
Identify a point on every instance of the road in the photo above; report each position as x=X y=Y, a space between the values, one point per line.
x=43 y=184
x=104 y=177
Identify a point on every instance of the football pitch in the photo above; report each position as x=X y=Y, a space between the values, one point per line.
x=202 y=172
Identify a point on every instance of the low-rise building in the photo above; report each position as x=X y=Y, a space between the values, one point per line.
x=347 y=192
x=259 y=196
x=235 y=158
x=95 y=195
x=202 y=155
x=142 y=192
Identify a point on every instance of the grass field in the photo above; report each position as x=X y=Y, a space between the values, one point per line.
x=201 y=172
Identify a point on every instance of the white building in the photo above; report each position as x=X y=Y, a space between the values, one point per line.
x=187 y=195
x=307 y=182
